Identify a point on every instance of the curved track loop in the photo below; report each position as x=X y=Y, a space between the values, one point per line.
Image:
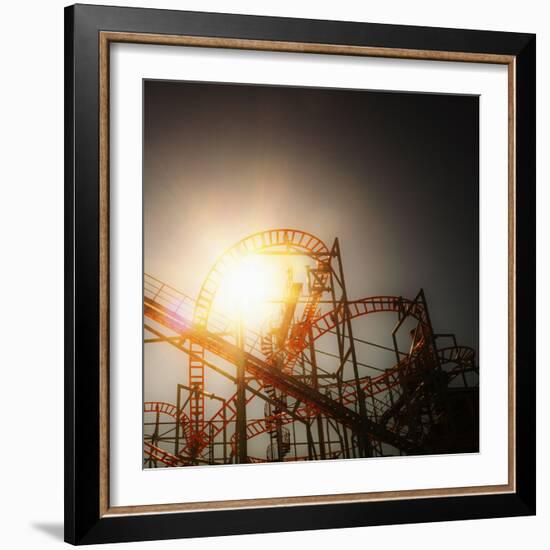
x=294 y=239
x=291 y=239
x=321 y=326
x=267 y=374
x=160 y=407
x=358 y=308
x=165 y=408
x=461 y=356
x=372 y=304
x=154 y=452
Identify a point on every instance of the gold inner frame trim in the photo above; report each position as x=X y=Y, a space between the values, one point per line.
x=105 y=39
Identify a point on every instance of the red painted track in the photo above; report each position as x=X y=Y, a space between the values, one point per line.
x=268 y=372
x=252 y=244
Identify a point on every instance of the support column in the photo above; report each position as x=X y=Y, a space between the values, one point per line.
x=363 y=442
x=315 y=383
x=240 y=428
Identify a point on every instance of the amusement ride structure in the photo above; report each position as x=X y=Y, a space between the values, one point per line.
x=298 y=388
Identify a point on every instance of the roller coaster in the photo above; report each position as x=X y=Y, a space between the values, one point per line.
x=298 y=388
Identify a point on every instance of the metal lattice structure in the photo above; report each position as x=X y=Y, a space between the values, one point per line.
x=317 y=404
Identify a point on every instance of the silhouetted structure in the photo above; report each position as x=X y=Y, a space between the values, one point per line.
x=425 y=403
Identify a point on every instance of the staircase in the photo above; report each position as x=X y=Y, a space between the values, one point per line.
x=279 y=436
x=279 y=446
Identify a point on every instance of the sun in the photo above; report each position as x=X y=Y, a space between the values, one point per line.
x=248 y=289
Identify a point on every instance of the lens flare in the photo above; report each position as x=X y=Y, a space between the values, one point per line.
x=247 y=288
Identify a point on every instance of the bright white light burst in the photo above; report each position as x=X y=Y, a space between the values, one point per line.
x=246 y=289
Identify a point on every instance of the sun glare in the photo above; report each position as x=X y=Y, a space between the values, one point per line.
x=248 y=289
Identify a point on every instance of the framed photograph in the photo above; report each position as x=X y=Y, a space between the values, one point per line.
x=300 y=274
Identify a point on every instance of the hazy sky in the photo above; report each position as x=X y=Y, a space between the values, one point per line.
x=393 y=175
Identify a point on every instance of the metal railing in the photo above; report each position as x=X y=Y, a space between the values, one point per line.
x=181 y=305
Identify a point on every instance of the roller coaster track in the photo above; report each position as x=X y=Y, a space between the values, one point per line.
x=269 y=358
x=460 y=355
x=328 y=321
x=155 y=452
x=267 y=374
x=270 y=374
x=168 y=459
x=289 y=239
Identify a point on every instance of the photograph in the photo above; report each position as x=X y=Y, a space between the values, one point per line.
x=311 y=273
x=299 y=273
x=275 y=275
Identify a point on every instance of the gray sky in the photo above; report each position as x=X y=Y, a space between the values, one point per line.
x=393 y=175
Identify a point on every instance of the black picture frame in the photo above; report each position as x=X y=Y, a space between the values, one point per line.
x=84 y=523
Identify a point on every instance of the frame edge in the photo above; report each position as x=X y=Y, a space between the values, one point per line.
x=82 y=527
